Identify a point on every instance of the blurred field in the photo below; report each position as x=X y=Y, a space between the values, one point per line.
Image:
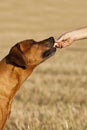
x=55 y=95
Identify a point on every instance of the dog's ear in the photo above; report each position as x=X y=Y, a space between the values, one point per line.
x=17 y=57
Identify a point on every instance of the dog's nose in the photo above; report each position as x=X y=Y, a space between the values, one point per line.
x=51 y=40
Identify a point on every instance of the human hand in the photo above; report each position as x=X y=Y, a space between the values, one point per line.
x=65 y=40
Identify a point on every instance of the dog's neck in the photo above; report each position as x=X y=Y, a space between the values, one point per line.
x=16 y=75
x=11 y=79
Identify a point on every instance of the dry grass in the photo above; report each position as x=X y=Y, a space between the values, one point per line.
x=55 y=95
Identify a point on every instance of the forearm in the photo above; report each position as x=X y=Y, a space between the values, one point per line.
x=79 y=33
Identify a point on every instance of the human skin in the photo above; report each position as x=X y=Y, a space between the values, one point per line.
x=68 y=38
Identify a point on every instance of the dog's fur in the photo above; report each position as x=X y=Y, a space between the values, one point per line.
x=17 y=66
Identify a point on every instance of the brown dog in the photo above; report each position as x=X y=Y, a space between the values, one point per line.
x=17 y=66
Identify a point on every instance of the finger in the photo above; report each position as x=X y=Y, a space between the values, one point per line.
x=59 y=40
x=58 y=45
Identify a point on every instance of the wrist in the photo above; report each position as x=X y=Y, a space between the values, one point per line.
x=72 y=35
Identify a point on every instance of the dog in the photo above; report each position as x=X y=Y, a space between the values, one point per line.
x=17 y=66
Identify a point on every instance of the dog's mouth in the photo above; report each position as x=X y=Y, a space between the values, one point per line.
x=51 y=51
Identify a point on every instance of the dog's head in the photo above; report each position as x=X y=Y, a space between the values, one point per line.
x=30 y=52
